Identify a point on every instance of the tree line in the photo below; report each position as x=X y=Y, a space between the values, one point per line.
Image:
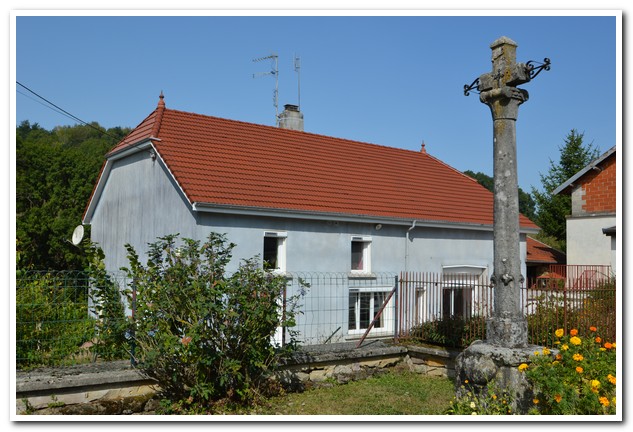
x=56 y=172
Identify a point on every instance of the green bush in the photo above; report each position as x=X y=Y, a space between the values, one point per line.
x=576 y=376
x=453 y=332
x=579 y=308
x=202 y=334
x=107 y=306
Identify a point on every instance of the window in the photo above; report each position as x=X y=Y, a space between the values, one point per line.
x=361 y=256
x=457 y=301
x=274 y=255
x=364 y=304
x=460 y=285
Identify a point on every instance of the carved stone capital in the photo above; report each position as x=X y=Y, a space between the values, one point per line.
x=504 y=102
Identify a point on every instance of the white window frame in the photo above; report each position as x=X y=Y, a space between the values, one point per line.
x=366 y=241
x=281 y=237
x=386 y=316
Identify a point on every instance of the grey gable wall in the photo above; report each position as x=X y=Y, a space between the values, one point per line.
x=139 y=203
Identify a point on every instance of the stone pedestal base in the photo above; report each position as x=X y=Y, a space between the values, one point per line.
x=482 y=363
x=507 y=332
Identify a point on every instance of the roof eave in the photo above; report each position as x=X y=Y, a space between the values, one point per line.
x=342 y=217
x=570 y=182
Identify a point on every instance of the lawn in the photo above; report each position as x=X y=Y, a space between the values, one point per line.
x=396 y=392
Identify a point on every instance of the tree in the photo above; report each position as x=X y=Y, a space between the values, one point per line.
x=55 y=174
x=553 y=209
x=527 y=205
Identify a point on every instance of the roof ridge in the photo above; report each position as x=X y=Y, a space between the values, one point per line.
x=160 y=109
x=291 y=131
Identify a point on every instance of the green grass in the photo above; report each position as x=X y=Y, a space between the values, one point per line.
x=392 y=393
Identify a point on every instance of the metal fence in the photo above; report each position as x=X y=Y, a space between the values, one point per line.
x=452 y=309
x=54 y=325
x=337 y=307
x=52 y=318
x=448 y=309
x=578 y=296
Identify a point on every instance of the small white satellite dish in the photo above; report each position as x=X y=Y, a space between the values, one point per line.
x=78 y=234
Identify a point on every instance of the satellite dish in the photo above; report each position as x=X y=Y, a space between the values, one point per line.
x=78 y=234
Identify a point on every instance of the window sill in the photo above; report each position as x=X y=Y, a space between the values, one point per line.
x=361 y=275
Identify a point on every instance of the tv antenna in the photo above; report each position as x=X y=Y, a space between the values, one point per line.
x=297 y=65
x=274 y=71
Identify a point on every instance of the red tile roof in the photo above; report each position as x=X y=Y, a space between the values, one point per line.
x=538 y=252
x=226 y=162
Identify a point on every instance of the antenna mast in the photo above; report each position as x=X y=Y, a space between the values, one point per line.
x=274 y=71
x=297 y=64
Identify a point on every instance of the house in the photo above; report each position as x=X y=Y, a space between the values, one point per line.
x=303 y=202
x=540 y=259
x=591 y=227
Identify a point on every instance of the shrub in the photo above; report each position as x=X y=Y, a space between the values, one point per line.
x=576 y=376
x=454 y=332
x=202 y=334
x=107 y=306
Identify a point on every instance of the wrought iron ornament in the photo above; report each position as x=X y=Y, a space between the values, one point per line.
x=533 y=69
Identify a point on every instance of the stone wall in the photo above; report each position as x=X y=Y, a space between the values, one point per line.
x=117 y=388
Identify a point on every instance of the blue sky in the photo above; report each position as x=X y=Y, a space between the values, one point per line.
x=390 y=80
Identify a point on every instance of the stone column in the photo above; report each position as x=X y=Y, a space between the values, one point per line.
x=505 y=348
x=508 y=326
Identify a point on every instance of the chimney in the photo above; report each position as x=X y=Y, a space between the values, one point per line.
x=291 y=118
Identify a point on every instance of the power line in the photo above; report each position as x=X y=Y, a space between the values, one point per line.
x=62 y=111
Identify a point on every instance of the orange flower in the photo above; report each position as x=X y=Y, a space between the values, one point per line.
x=608 y=345
x=611 y=379
x=559 y=356
x=593 y=329
x=185 y=340
x=558 y=398
x=604 y=401
x=579 y=369
x=573 y=332
x=598 y=339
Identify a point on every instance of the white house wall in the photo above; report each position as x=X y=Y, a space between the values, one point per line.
x=141 y=202
x=586 y=243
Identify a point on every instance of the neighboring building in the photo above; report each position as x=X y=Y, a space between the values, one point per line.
x=591 y=227
x=302 y=201
x=539 y=259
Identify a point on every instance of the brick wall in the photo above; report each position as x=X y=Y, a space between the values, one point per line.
x=600 y=188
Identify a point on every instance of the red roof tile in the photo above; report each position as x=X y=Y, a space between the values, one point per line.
x=538 y=252
x=226 y=162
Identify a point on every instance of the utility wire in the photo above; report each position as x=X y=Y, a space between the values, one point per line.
x=62 y=111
